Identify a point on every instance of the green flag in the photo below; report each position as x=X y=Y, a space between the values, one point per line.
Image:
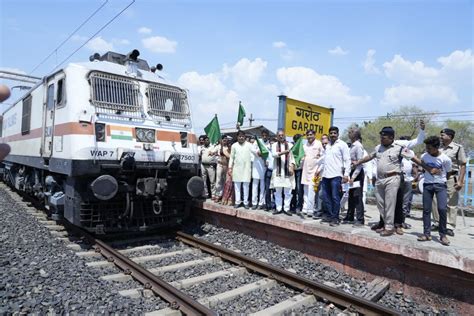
x=240 y=117
x=213 y=130
x=262 y=148
x=298 y=151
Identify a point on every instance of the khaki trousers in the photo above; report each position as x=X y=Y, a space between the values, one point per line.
x=209 y=171
x=453 y=199
x=386 y=194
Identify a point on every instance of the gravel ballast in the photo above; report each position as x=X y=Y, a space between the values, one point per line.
x=298 y=263
x=39 y=274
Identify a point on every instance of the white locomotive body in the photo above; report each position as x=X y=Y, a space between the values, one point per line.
x=108 y=144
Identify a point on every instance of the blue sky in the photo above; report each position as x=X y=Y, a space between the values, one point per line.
x=364 y=58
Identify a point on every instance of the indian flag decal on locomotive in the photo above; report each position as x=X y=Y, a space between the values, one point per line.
x=119 y=132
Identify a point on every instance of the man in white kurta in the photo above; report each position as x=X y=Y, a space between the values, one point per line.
x=240 y=165
x=283 y=177
x=258 y=177
x=311 y=163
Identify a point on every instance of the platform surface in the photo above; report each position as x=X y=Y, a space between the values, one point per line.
x=459 y=255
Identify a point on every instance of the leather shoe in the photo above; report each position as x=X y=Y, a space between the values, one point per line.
x=379 y=230
x=334 y=223
x=434 y=227
x=376 y=226
x=387 y=232
x=254 y=207
x=406 y=226
x=399 y=230
x=450 y=232
x=246 y=207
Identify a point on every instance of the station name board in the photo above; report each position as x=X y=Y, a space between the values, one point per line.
x=296 y=117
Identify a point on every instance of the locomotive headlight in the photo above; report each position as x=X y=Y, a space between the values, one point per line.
x=145 y=135
x=140 y=134
x=150 y=136
x=100 y=132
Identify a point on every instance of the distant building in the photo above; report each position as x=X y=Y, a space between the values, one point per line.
x=249 y=130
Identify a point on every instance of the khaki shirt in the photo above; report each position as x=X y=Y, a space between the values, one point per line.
x=388 y=159
x=207 y=156
x=456 y=153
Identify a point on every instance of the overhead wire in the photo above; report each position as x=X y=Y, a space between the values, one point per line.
x=70 y=35
x=93 y=35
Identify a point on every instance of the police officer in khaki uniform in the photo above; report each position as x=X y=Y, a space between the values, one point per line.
x=208 y=167
x=389 y=169
x=455 y=178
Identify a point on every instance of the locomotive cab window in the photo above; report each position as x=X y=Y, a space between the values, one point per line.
x=50 y=97
x=26 y=116
x=60 y=94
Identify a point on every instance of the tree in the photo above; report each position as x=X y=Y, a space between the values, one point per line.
x=405 y=121
x=464 y=133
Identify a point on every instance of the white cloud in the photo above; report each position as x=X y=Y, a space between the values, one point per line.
x=459 y=60
x=369 y=63
x=279 y=44
x=79 y=38
x=144 y=30
x=98 y=44
x=245 y=73
x=338 y=51
x=159 y=44
x=285 y=53
x=426 y=96
x=308 y=85
x=220 y=92
x=121 y=41
x=419 y=84
x=404 y=71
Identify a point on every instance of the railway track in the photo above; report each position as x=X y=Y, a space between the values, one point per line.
x=140 y=264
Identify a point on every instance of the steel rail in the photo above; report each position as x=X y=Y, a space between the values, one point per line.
x=338 y=297
x=175 y=297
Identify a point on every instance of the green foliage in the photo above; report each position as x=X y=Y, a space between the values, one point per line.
x=406 y=122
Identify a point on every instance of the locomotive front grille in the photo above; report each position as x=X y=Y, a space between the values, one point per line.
x=168 y=104
x=115 y=95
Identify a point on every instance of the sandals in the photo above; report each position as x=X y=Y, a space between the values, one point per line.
x=444 y=241
x=424 y=238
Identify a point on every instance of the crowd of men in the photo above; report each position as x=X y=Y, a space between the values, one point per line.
x=264 y=174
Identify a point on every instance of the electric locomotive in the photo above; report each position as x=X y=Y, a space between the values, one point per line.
x=106 y=144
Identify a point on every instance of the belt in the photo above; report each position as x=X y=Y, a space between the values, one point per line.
x=452 y=174
x=391 y=174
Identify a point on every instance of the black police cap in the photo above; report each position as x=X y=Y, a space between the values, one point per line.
x=387 y=130
x=449 y=132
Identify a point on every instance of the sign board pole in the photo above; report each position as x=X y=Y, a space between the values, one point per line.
x=281 y=111
x=332 y=118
